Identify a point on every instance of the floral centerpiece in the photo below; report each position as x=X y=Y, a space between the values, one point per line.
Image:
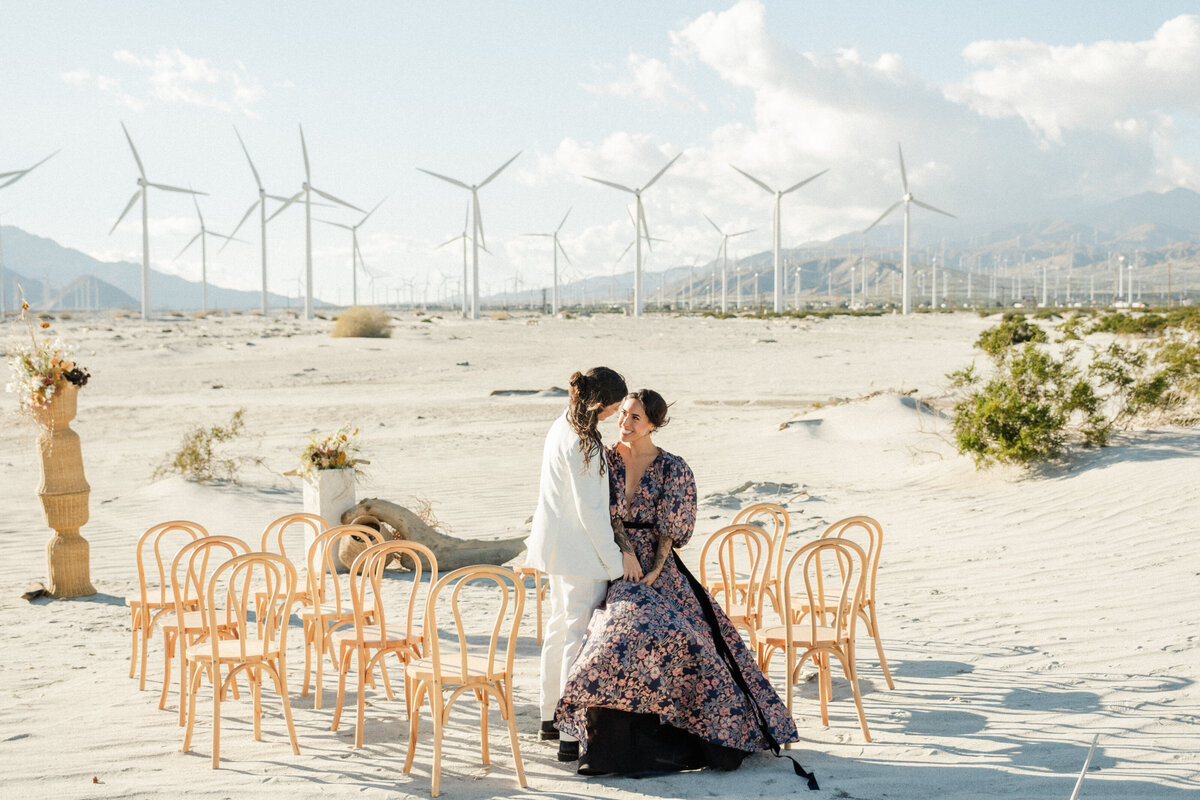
x=338 y=450
x=41 y=369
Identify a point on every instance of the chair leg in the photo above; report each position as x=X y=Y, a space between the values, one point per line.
x=850 y=668
x=362 y=698
x=438 y=709
x=343 y=670
x=135 y=627
x=256 y=695
x=873 y=629
x=195 y=681
x=414 y=718
x=309 y=626
x=216 y=750
x=482 y=696
x=147 y=629
x=181 y=642
x=506 y=699
x=387 y=681
x=168 y=647
x=279 y=675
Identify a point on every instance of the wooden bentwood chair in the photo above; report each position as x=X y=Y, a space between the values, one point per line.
x=379 y=630
x=743 y=556
x=233 y=638
x=827 y=631
x=470 y=658
x=155 y=549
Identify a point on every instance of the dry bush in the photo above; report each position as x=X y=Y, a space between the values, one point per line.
x=423 y=508
x=367 y=322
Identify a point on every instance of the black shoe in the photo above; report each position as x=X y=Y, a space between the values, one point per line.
x=548 y=730
x=568 y=751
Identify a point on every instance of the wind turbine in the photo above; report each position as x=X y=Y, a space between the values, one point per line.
x=556 y=248
x=143 y=186
x=723 y=252
x=905 y=200
x=261 y=205
x=777 y=228
x=8 y=179
x=465 y=239
x=355 y=253
x=640 y=229
x=203 y=237
x=307 y=190
x=477 y=237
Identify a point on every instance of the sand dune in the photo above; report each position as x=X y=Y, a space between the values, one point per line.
x=1022 y=613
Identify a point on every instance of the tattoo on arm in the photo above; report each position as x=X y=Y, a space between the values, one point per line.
x=662 y=551
x=621 y=538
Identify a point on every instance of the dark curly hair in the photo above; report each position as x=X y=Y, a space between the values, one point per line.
x=591 y=392
x=654 y=406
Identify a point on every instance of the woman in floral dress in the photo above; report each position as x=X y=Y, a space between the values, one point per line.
x=663 y=681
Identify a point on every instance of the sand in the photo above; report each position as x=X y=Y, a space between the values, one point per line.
x=1022 y=613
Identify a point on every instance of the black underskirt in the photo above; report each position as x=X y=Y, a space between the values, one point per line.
x=640 y=745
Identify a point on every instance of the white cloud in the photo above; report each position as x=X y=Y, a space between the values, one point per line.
x=174 y=77
x=649 y=79
x=1098 y=86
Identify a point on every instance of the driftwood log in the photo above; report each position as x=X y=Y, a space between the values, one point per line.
x=451 y=551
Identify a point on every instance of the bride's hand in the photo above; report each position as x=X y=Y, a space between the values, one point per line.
x=651 y=577
x=632 y=568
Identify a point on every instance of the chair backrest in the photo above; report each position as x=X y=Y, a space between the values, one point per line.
x=868 y=534
x=192 y=566
x=743 y=556
x=367 y=586
x=324 y=558
x=775 y=522
x=286 y=527
x=494 y=605
x=818 y=567
x=260 y=583
x=155 y=550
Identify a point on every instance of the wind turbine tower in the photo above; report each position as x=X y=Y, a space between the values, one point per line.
x=906 y=200
x=143 y=190
x=640 y=230
x=477 y=237
x=355 y=253
x=723 y=253
x=777 y=228
x=203 y=237
x=556 y=247
x=307 y=190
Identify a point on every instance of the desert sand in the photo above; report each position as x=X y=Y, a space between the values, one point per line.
x=1022 y=613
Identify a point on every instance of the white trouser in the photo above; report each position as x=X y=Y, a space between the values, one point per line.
x=572 y=601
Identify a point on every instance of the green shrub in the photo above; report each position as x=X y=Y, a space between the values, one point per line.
x=197 y=458
x=1130 y=324
x=367 y=322
x=1030 y=408
x=1013 y=329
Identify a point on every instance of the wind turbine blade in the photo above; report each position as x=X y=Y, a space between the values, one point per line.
x=452 y=241
x=741 y=233
x=488 y=179
x=286 y=203
x=245 y=217
x=623 y=252
x=610 y=183
x=903 y=172
x=478 y=219
x=189 y=244
x=564 y=220
x=369 y=213
x=806 y=180
x=766 y=188
x=931 y=208
x=659 y=174
x=333 y=199
x=641 y=212
x=564 y=252
x=21 y=173
x=455 y=181
x=537 y=234
x=257 y=180
x=710 y=222
x=362 y=261
x=466 y=216
x=223 y=236
x=335 y=224
x=166 y=188
x=128 y=206
x=304 y=149
x=891 y=208
x=136 y=157
x=196 y=203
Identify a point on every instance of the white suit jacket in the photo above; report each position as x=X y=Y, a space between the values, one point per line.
x=572 y=532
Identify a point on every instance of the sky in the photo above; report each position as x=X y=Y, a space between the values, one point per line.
x=1005 y=110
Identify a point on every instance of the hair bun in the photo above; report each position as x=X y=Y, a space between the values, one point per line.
x=578 y=379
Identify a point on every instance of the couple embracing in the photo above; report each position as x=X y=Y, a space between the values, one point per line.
x=641 y=672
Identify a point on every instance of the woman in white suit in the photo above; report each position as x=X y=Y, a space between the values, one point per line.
x=573 y=539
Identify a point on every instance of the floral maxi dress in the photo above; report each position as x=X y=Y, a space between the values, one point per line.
x=650 y=650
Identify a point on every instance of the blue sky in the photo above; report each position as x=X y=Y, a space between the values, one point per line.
x=1004 y=108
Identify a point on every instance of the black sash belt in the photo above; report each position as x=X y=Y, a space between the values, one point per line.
x=734 y=669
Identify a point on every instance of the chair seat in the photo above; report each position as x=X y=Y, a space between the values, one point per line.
x=777 y=635
x=477 y=670
x=372 y=637
x=231 y=650
x=192 y=621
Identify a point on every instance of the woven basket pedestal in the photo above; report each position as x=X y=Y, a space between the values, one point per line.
x=64 y=493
